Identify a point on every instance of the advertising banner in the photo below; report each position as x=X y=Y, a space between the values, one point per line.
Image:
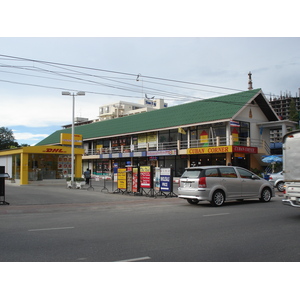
x=129 y=179
x=146 y=177
x=166 y=183
x=135 y=180
x=122 y=178
x=157 y=179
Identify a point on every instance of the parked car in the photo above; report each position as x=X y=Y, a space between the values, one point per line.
x=217 y=184
x=277 y=180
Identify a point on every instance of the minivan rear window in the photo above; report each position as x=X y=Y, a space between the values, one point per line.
x=191 y=174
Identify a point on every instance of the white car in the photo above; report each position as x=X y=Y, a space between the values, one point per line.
x=277 y=180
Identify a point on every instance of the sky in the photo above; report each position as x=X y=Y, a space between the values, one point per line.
x=170 y=52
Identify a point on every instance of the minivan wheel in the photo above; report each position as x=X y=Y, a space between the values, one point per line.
x=266 y=195
x=192 y=201
x=218 y=198
x=280 y=186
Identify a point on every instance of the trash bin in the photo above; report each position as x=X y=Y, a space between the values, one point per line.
x=3 y=175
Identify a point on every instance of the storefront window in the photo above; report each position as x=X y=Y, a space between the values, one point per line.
x=173 y=135
x=46 y=166
x=163 y=136
x=100 y=167
x=219 y=129
x=244 y=130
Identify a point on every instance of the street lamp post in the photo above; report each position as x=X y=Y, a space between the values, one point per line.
x=72 y=139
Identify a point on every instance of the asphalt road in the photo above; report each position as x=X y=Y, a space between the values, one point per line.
x=49 y=223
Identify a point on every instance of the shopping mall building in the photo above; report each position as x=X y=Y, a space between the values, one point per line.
x=217 y=131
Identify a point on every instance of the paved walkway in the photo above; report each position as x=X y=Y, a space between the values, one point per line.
x=47 y=192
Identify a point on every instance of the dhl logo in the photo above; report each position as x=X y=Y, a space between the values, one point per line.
x=54 y=150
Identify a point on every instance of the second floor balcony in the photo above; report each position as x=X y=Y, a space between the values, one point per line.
x=182 y=146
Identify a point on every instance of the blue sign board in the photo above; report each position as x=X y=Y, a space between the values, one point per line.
x=165 y=180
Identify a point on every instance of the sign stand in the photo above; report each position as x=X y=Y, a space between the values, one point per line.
x=104 y=187
x=122 y=184
x=146 y=181
x=90 y=186
x=166 y=183
x=3 y=175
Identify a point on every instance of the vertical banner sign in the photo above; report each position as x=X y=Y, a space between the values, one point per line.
x=157 y=179
x=165 y=180
x=115 y=167
x=135 y=180
x=145 y=177
x=204 y=138
x=129 y=179
x=122 y=178
x=235 y=136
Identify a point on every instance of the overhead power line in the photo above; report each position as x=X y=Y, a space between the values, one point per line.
x=115 y=72
x=77 y=76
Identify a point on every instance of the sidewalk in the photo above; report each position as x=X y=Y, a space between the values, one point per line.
x=47 y=192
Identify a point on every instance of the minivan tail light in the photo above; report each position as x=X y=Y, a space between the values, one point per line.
x=202 y=182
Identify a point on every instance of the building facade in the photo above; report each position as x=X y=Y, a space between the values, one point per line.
x=228 y=129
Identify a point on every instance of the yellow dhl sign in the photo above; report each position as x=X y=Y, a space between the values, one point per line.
x=209 y=150
x=66 y=139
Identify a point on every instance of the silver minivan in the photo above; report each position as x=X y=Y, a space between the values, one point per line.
x=219 y=183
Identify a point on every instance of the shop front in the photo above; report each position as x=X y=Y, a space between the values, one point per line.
x=42 y=162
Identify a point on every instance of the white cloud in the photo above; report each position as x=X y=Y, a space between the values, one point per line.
x=44 y=111
x=28 y=136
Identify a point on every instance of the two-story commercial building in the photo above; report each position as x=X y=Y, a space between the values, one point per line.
x=227 y=129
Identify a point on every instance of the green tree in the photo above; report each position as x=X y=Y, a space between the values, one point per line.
x=7 y=139
x=293 y=113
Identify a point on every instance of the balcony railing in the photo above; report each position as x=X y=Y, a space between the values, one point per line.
x=180 y=145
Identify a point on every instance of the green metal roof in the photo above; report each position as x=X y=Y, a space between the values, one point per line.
x=208 y=110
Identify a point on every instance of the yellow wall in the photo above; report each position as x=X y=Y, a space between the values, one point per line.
x=44 y=150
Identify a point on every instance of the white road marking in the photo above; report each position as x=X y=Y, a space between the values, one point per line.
x=216 y=215
x=135 y=259
x=59 y=228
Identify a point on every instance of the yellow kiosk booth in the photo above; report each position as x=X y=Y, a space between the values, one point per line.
x=41 y=162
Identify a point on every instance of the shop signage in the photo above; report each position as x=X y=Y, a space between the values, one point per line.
x=209 y=150
x=66 y=139
x=54 y=150
x=243 y=149
x=161 y=153
x=222 y=149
